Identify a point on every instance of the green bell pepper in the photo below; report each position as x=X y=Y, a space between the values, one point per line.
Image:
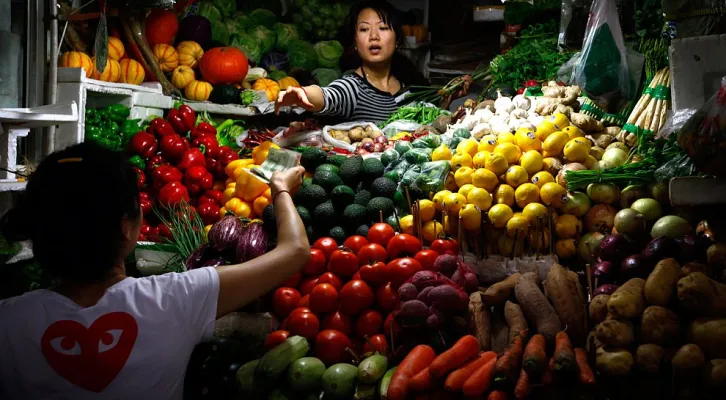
x=138 y=162
x=117 y=113
x=129 y=129
x=92 y=117
x=111 y=128
x=94 y=132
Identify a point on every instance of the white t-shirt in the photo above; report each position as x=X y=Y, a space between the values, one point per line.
x=135 y=343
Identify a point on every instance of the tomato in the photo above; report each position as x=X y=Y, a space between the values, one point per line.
x=339 y=322
x=332 y=279
x=399 y=270
x=386 y=297
x=441 y=246
x=403 y=245
x=324 y=298
x=376 y=344
x=331 y=347
x=293 y=281
x=316 y=265
x=355 y=297
x=390 y=327
x=343 y=263
x=372 y=253
x=354 y=243
x=275 y=338
x=427 y=258
x=307 y=285
x=356 y=277
x=284 y=301
x=304 y=301
x=299 y=310
x=303 y=324
x=369 y=323
x=326 y=245
x=373 y=274
x=380 y=233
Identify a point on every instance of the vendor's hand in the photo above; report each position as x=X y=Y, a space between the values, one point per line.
x=293 y=96
x=289 y=180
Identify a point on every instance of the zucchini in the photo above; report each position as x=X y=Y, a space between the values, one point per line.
x=274 y=363
x=384 y=383
x=246 y=375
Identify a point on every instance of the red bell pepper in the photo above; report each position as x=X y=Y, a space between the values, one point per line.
x=216 y=195
x=173 y=147
x=209 y=212
x=206 y=143
x=145 y=203
x=160 y=127
x=191 y=158
x=143 y=144
x=182 y=119
x=164 y=231
x=140 y=177
x=203 y=129
x=173 y=193
x=155 y=161
x=148 y=232
x=197 y=179
x=189 y=117
x=227 y=155
x=165 y=174
x=214 y=166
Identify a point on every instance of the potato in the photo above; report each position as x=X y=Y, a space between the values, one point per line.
x=661 y=284
x=702 y=296
x=356 y=134
x=614 y=333
x=499 y=292
x=562 y=290
x=375 y=134
x=694 y=266
x=710 y=335
x=649 y=358
x=659 y=325
x=536 y=307
x=689 y=356
x=715 y=373
x=628 y=301
x=599 y=308
x=613 y=361
x=515 y=319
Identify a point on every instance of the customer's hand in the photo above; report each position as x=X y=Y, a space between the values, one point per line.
x=293 y=96
x=289 y=180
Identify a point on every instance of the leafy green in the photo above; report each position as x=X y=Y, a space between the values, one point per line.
x=302 y=55
x=226 y=7
x=266 y=36
x=329 y=52
x=250 y=45
x=209 y=11
x=220 y=33
x=263 y=17
x=325 y=76
x=286 y=33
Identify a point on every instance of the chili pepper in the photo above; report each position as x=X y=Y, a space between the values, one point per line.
x=117 y=113
x=140 y=177
x=197 y=179
x=203 y=129
x=173 y=147
x=173 y=193
x=205 y=143
x=145 y=203
x=209 y=212
x=155 y=161
x=165 y=174
x=191 y=158
x=215 y=195
x=137 y=162
x=143 y=144
x=129 y=129
x=160 y=127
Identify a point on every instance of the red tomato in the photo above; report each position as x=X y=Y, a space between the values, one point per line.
x=386 y=297
x=339 y=322
x=331 y=347
x=403 y=245
x=373 y=274
x=275 y=338
x=299 y=310
x=399 y=270
x=326 y=245
x=390 y=327
x=356 y=277
x=332 y=279
x=316 y=265
x=427 y=258
x=307 y=285
x=441 y=246
x=380 y=233
x=343 y=263
x=323 y=298
x=354 y=243
x=355 y=297
x=284 y=301
x=304 y=301
x=376 y=344
x=303 y=324
x=293 y=281
x=372 y=253
x=369 y=323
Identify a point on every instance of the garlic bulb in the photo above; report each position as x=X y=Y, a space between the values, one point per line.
x=470 y=120
x=521 y=102
x=535 y=119
x=514 y=122
x=503 y=104
x=519 y=113
x=499 y=126
x=480 y=130
x=525 y=124
x=484 y=114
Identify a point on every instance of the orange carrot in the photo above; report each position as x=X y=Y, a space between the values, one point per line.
x=564 y=356
x=509 y=363
x=461 y=352
x=497 y=395
x=587 y=377
x=480 y=380
x=419 y=358
x=422 y=381
x=455 y=380
x=523 y=388
x=548 y=377
x=535 y=356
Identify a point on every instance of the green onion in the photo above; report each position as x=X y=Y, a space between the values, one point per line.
x=187 y=231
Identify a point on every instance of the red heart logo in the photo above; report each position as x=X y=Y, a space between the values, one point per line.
x=90 y=357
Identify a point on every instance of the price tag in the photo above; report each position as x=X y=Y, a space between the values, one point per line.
x=277 y=160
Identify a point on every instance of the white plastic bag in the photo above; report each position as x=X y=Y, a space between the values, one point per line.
x=329 y=140
x=397 y=127
x=306 y=139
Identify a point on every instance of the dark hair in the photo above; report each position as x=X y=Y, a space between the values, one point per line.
x=401 y=67
x=72 y=211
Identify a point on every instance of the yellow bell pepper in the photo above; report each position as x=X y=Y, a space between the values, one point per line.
x=207 y=228
x=259 y=204
x=228 y=194
x=249 y=187
x=259 y=153
x=268 y=194
x=222 y=212
x=238 y=207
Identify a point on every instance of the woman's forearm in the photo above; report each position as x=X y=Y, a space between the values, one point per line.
x=315 y=97
x=290 y=228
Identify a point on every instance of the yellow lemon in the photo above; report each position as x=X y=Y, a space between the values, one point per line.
x=509 y=247
x=468 y=146
x=552 y=194
x=470 y=217
x=554 y=143
x=427 y=209
x=573 y=132
x=441 y=153
x=485 y=179
x=544 y=129
x=453 y=203
x=516 y=175
x=590 y=162
x=500 y=214
x=533 y=211
x=463 y=176
x=505 y=137
x=510 y=151
x=527 y=140
x=465 y=189
x=439 y=199
x=542 y=177
x=532 y=162
x=576 y=150
x=504 y=194
x=565 y=248
x=488 y=143
x=451 y=225
x=559 y=120
x=525 y=194
x=432 y=230
x=406 y=224
x=480 y=198
x=459 y=160
x=566 y=226
x=480 y=158
x=496 y=163
x=518 y=226
x=450 y=183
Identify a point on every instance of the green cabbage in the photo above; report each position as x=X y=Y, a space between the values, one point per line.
x=302 y=55
x=263 y=17
x=234 y=28
x=220 y=33
x=226 y=7
x=207 y=10
x=242 y=20
x=325 y=76
x=249 y=45
x=329 y=53
x=266 y=36
x=285 y=34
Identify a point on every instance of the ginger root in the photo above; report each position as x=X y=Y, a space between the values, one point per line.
x=586 y=122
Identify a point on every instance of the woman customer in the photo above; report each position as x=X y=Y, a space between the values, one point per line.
x=99 y=334
x=379 y=85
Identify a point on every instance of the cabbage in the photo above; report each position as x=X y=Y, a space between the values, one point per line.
x=274 y=61
x=267 y=38
x=243 y=21
x=220 y=33
x=302 y=55
x=249 y=45
x=285 y=34
x=226 y=7
x=340 y=11
x=262 y=17
x=329 y=53
x=234 y=28
x=207 y=10
x=325 y=75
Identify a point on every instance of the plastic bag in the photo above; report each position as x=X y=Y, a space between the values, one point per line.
x=402 y=146
x=430 y=141
x=330 y=140
x=418 y=156
x=396 y=127
x=433 y=176
x=389 y=157
x=409 y=177
x=396 y=171
x=299 y=139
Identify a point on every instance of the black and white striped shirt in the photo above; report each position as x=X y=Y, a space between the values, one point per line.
x=354 y=98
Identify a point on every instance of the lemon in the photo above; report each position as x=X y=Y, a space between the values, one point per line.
x=559 y=120
x=480 y=198
x=470 y=217
x=533 y=211
x=468 y=146
x=542 y=177
x=552 y=194
x=439 y=199
x=526 y=193
x=573 y=132
x=510 y=151
x=488 y=143
x=441 y=153
x=432 y=230
x=576 y=150
x=451 y=225
x=427 y=209
x=459 y=160
x=554 y=143
x=527 y=140
x=463 y=176
x=544 y=129
x=516 y=175
x=509 y=247
x=504 y=194
x=450 y=183
x=406 y=224
x=453 y=203
x=465 y=189
x=480 y=158
x=496 y=163
x=505 y=137
x=532 y=162
x=485 y=179
x=591 y=162
x=565 y=248
x=518 y=226
x=566 y=226
x=499 y=215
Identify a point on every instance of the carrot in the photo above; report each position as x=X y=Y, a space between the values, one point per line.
x=422 y=381
x=419 y=358
x=548 y=377
x=480 y=380
x=535 y=356
x=509 y=363
x=455 y=380
x=587 y=377
x=564 y=356
x=497 y=395
x=461 y=352
x=524 y=387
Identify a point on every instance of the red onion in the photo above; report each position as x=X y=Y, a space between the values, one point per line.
x=607 y=289
x=381 y=139
x=614 y=248
x=635 y=266
x=660 y=248
x=225 y=233
x=604 y=272
x=368 y=146
x=378 y=147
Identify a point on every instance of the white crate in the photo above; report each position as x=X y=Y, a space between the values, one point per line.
x=697 y=66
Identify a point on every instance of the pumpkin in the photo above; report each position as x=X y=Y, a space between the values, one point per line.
x=166 y=57
x=189 y=53
x=421 y=32
x=287 y=81
x=407 y=30
x=270 y=87
x=182 y=76
x=198 y=90
x=112 y=72
x=161 y=26
x=131 y=71
x=223 y=65
x=116 y=49
x=77 y=59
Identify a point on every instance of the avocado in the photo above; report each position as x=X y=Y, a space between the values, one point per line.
x=269 y=220
x=305 y=374
x=372 y=168
x=362 y=230
x=355 y=215
x=338 y=234
x=307 y=182
x=328 y=167
x=304 y=215
x=379 y=205
x=336 y=159
x=342 y=196
x=340 y=380
x=363 y=197
x=310 y=196
x=351 y=169
x=310 y=232
x=324 y=214
x=327 y=179
x=312 y=158
x=383 y=187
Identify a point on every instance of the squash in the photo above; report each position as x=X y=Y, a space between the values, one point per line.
x=116 y=48
x=225 y=94
x=77 y=59
x=189 y=53
x=287 y=81
x=270 y=87
x=407 y=30
x=223 y=65
x=161 y=27
x=112 y=72
x=182 y=76
x=421 y=32
x=198 y=90
x=166 y=57
x=131 y=71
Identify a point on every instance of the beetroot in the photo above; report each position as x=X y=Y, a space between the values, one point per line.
x=435 y=318
x=411 y=314
x=424 y=279
x=471 y=282
x=446 y=264
x=407 y=292
x=424 y=294
x=445 y=298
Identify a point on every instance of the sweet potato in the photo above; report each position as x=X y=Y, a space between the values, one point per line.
x=480 y=321
x=710 y=335
x=649 y=358
x=500 y=331
x=499 y=292
x=515 y=319
x=702 y=296
x=612 y=332
x=599 y=308
x=661 y=284
x=688 y=357
x=613 y=361
x=659 y=325
x=715 y=373
x=536 y=307
x=628 y=301
x=562 y=292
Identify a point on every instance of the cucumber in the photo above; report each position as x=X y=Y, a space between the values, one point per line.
x=384 y=383
x=339 y=381
x=372 y=369
x=274 y=363
x=305 y=374
x=246 y=375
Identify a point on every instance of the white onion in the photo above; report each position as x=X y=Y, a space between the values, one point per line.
x=615 y=157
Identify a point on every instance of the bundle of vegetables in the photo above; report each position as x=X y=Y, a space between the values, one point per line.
x=230 y=240
x=421 y=113
x=435 y=94
x=649 y=114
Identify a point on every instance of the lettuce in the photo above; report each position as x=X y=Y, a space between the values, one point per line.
x=226 y=7
x=302 y=55
x=262 y=17
x=220 y=33
x=285 y=34
x=207 y=10
x=328 y=53
x=266 y=36
x=249 y=45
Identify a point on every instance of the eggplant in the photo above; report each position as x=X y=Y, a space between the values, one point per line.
x=215 y=262
x=604 y=271
x=635 y=266
x=252 y=243
x=607 y=289
x=196 y=259
x=225 y=233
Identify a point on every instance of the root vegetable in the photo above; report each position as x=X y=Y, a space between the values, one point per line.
x=659 y=325
x=710 y=335
x=480 y=323
x=536 y=307
x=421 y=382
x=715 y=372
x=615 y=333
x=702 y=296
x=407 y=292
x=661 y=284
x=688 y=357
x=419 y=358
x=480 y=380
x=614 y=361
x=586 y=122
x=649 y=358
x=509 y=363
x=563 y=293
x=565 y=362
x=500 y=331
x=628 y=301
x=445 y=298
x=535 y=356
x=412 y=313
x=524 y=387
x=516 y=321
x=601 y=139
x=694 y=266
x=599 y=308
x=499 y=292
x=462 y=351
x=587 y=377
x=455 y=381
